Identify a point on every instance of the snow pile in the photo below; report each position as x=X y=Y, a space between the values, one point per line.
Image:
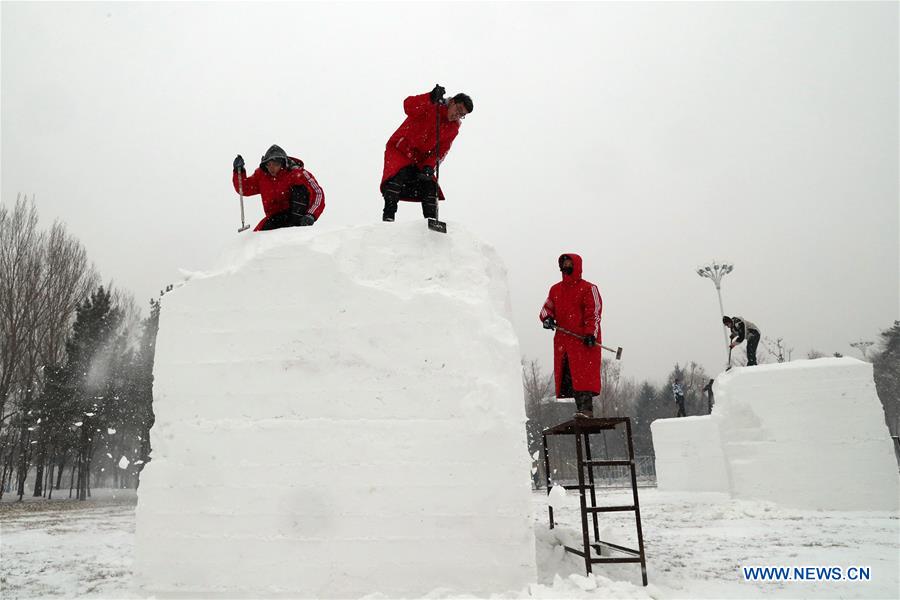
x=339 y=413
x=689 y=455
x=805 y=434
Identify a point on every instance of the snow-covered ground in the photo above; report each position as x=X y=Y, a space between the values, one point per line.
x=696 y=545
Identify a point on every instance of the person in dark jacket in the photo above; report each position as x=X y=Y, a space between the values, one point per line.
x=575 y=304
x=742 y=329
x=409 y=156
x=678 y=391
x=291 y=196
x=708 y=388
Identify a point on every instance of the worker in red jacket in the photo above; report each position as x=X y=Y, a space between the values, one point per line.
x=291 y=196
x=409 y=157
x=575 y=304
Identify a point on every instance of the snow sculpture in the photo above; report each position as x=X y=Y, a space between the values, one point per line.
x=805 y=434
x=339 y=413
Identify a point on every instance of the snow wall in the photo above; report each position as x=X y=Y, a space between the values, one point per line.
x=805 y=434
x=339 y=413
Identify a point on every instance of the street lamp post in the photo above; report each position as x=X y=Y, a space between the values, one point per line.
x=715 y=271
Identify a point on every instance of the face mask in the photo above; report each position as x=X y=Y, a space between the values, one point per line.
x=568 y=270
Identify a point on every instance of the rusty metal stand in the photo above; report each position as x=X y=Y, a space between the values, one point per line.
x=582 y=429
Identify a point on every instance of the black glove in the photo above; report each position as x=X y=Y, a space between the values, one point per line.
x=238 y=163
x=590 y=341
x=306 y=220
x=426 y=174
x=549 y=323
x=437 y=95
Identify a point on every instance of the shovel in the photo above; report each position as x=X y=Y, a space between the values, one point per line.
x=434 y=224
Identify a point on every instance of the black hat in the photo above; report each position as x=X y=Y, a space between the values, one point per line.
x=274 y=153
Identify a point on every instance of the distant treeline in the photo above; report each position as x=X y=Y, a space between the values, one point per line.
x=644 y=401
x=76 y=366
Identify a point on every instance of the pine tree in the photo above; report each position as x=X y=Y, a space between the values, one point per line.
x=887 y=376
x=89 y=361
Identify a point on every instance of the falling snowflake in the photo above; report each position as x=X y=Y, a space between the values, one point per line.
x=123 y=463
x=110 y=431
x=79 y=423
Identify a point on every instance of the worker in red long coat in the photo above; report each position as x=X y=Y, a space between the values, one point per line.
x=291 y=196
x=409 y=157
x=575 y=304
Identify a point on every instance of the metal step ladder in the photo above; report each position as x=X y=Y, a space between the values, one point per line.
x=582 y=430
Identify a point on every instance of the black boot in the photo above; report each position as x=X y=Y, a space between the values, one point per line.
x=299 y=205
x=429 y=208
x=391 y=190
x=584 y=403
x=390 y=209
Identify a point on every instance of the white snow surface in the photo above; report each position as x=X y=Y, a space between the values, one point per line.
x=805 y=434
x=696 y=545
x=338 y=413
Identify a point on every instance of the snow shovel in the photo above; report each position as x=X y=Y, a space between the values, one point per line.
x=244 y=225
x=617 y=350
x=434 y=224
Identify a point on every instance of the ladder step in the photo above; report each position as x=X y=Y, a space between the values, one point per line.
x=597 y=545
x=607 y=463
x=601 y=509
x=615 y=560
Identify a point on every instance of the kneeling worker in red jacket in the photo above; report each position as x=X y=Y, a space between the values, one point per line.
x=291 y=196
x=575 y=304
x=410 y=158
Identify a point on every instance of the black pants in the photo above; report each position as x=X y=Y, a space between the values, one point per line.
x=752 y=343
x=408 y=185
x=291 y=217
x=679 y=402
x=583 y=400
x=278 y=220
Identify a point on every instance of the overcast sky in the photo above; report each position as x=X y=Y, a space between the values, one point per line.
x=650 y=138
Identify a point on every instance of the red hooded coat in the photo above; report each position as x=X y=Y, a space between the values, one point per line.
x=414 y=141
x=576 y=305
x=276 y=191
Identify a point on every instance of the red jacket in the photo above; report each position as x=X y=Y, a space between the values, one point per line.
x=414 y=141
x=276 y=191
x=576 y=305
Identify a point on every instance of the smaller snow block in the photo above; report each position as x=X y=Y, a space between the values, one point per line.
x=689 y=456
x=805 y=434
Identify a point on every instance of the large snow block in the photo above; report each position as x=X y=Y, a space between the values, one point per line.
x=805 y=434
x=689 y=455
x=338 y=413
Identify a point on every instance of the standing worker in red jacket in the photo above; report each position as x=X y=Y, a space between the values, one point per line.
x=409 y=157
x=575 y=304
x=291 y=196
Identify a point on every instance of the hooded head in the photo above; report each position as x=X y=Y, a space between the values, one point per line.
x=572 y=272
x=274 y=153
